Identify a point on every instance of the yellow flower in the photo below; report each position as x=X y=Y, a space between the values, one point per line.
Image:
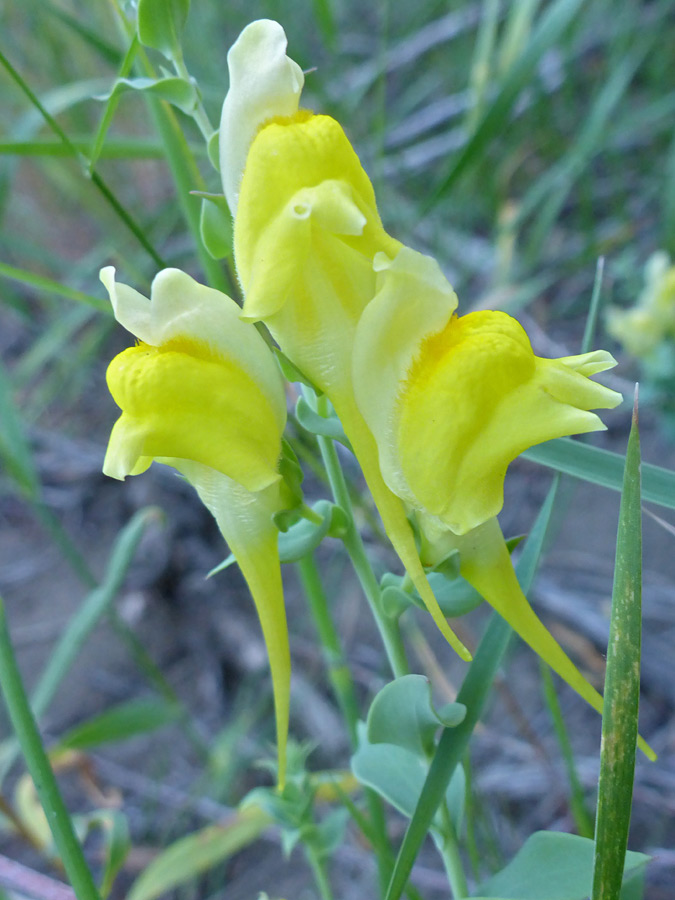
x=201 y=392
x=305 y=235
x=453 y=400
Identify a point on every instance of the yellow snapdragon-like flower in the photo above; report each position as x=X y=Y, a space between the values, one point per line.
x=201 y=392
x=451 y=402
x=305 y=235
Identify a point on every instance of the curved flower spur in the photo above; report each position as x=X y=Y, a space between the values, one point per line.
x=202 y=393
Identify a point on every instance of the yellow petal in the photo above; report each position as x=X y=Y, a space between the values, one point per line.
x=245 y=521
x=181 y=309
x=264 y=83
x=475 y=398
x=413 y=301
x=181 y=400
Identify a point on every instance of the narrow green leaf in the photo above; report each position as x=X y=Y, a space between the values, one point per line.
x=122 y=722
x=40 y=769
x=50 y=286
x=473 y=694
x=602 y=467
x=551 y=26
x=582 y=818
x=94 y=177
x=622 y=686
x=594 y=308
x=190 y=856
x=160 y=25
x=94 y=606
x=113 y=828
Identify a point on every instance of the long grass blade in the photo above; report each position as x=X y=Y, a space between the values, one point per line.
x=40 y=770
x=622 y=687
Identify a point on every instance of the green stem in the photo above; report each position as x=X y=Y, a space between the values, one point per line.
x=388 y=628
x=582 y=819
x=343 y=687
x=318 y=866
x=452 y=860
x=41 y=771
x=338 y=671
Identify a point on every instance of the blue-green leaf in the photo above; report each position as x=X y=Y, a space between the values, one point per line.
x=174 y=90
x=160 y=24
x=550 y=865
x=403 y=714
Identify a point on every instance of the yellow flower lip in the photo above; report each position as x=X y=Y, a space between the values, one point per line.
x=183 y=400
x=452 y=401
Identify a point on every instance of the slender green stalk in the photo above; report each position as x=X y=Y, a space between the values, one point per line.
x=582 y=819
x=452 y=860
x=338 y=671
x=343 y=687
x=388 y=628
x=318 y=866
x=40 y=770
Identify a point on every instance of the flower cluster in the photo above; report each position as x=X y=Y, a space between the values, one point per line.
x=435 y=405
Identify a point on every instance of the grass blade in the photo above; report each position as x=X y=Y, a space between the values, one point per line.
x=602 y=467
x=40 y=770
x=54 y=287
x=473 y=694
x=549 y=29
x=622 y=687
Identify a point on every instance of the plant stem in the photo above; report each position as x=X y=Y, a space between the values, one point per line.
x=388 y=628
x=41 y=771
x=318 y=867
x=338 y=671
x=452 y=860
x=343 y=687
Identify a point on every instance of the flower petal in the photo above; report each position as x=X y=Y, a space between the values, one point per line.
x=132 y=310
x=475 y=398
x=413 y=300
x=180 y=400
x=264 y=83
